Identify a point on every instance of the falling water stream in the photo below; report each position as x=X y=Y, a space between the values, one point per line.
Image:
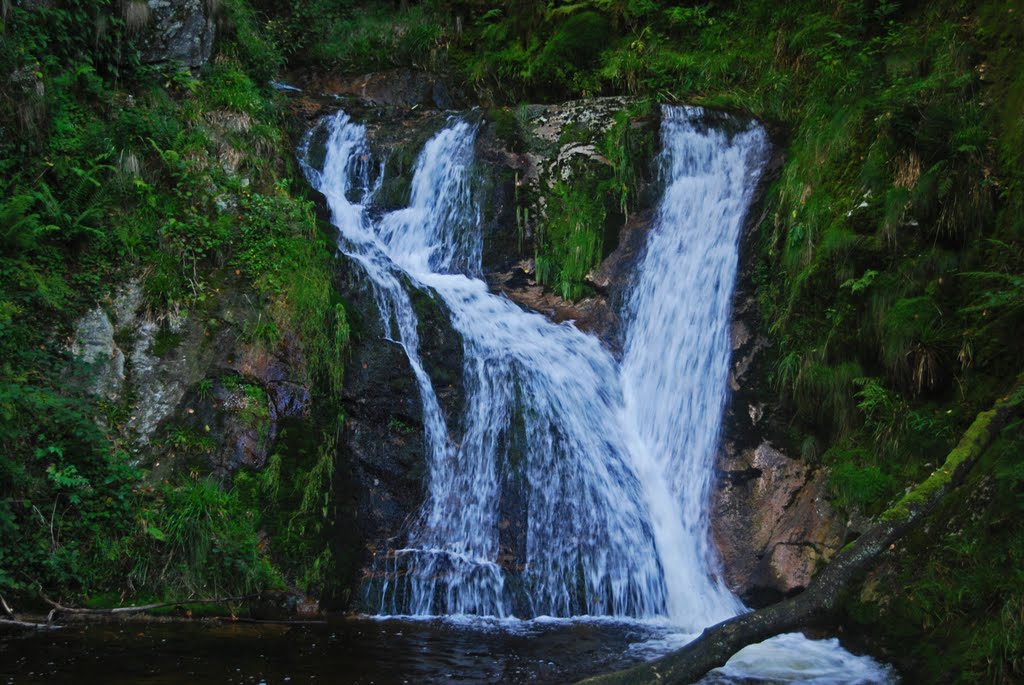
x=612 y=459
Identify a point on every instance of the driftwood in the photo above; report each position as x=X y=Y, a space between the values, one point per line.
x=142 y=607
x=818 y=604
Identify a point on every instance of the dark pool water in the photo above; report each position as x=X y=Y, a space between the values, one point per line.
x=352 y=650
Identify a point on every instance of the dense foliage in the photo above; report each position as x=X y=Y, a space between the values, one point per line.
x=115 y=169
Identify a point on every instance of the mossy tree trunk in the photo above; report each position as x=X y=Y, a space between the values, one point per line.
x=818 y=604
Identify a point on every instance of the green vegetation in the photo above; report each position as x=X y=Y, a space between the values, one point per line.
x=584 y=209
x=113 y=169
x=950 y=595
x=570 y=242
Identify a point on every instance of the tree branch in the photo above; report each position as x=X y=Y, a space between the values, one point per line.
x=27 y=625
x=8 y=611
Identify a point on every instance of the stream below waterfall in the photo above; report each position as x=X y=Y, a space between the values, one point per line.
x=351 y=651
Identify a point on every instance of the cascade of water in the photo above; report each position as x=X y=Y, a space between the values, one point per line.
x=676 y=354
x=544 y=411
x=612 y=464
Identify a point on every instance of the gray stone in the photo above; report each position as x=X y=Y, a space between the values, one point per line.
x=179 y=31
x=103 y=360
x=157 y=387
x=127 y=304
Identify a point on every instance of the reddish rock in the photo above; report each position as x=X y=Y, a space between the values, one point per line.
x=772 y=522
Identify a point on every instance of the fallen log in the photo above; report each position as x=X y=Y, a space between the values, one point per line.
x=818 y=604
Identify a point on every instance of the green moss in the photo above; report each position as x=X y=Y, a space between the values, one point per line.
x=971 y=445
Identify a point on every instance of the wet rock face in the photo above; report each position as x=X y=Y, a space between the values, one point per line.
x=383 y=435
x=770 y=515
x=178 y=31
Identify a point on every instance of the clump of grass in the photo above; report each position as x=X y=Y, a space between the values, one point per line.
x=570 y=241
x=206 y=543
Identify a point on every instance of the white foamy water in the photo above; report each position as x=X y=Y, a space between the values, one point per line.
x=609 y=463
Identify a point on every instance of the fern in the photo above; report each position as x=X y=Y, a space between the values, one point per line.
x=1005 y=296
x=19 y=225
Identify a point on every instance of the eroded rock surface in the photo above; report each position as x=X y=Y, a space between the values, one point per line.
x=773 y=522
x=192 y=385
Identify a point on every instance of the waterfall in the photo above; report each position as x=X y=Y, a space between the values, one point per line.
x=611 y=461
x=676 y=356
x=544 y=410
